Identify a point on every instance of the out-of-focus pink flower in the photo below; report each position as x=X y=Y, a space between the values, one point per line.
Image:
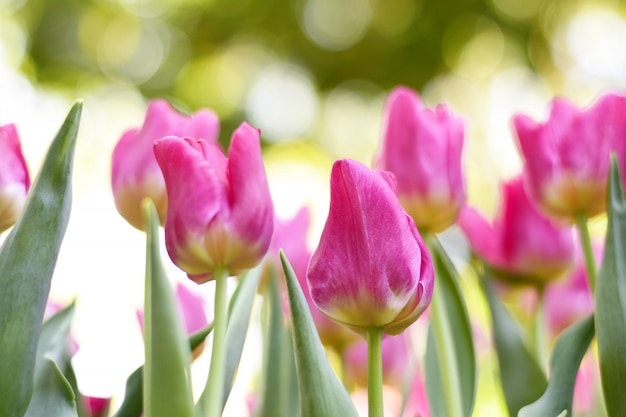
x=14 y=178
x=96 y=406
x=570 y=299
x=567 y=157
x=220 y=213
x=135 y=174
x=371 y=268
x=291 y=236
x=522 y=244
x=395 y=359
x=423 y=148
x=417 y=403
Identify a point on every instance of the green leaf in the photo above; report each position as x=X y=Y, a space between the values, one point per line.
x=167 y=387
x=50 y=385
x=321 y=393
x=27 y=261
x=610 y=300
x=278 y=359
x=451 y=363
x=568 y=352
x=132 y=405
x=523 y=380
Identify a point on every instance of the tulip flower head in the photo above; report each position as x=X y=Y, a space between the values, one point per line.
x=522 y=245
x=371 y=268
x=567 y=157
x=220 y=213
x=14 y=178
x=135 y=174
x=423 y=148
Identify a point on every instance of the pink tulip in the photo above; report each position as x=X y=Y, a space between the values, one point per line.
x=14 y=178
x=371 y=268
x=395 y=357
x=220 y=213
x=567 y=157
x=96 y=406
x=521 y=244
x=135 y=174
x=423 y=147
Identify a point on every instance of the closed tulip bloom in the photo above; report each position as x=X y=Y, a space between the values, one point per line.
x=371 y=268
x=220 y=213
x=135 y=174
x=567 y=158
x=423 y=148
x=14 y=178
x=521 y=244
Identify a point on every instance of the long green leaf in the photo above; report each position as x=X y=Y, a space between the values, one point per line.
x=321 y=393
x=451 y=363
x=610 y=300
x=50 y=386
x=132 y=405
x=27 y=263
x=167 y=387
x=523 y=380
x=568 y=352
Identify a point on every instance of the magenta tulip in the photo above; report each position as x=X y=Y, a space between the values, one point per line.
x=371 y=268
x=423 y=148
x=14 y=178
x=220 y=213
x=567 y=157
x=522 y=244
x=135 y=174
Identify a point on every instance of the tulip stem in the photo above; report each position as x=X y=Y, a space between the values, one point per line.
x=590 y=260
x=215 y=385
x=375 y=371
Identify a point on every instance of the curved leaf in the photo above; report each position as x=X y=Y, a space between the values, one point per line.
x=167 y=387
x=523 y=380
x=27 y=263
x=450 y=360
x=568 y=352
x=610 y=300
x=321 y=393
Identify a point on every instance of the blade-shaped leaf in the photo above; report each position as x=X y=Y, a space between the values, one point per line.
x=52 y=354
x=321 y=393
x=610 y=300
x=27 y=262
x=568 y=352
x=277 y=385
x=132 y=405
x=522 y=379
x=452 y=367
x=167 y=387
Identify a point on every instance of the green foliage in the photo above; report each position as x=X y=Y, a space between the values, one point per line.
x=321 y=393
x=568 y=352
x=27 y=263
x=167 y=387
x=610 y=300
x=450 y=340
x=523 y=381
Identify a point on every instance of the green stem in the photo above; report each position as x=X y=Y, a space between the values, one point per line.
x=590 y=260
x=538 y=330
x=215 y=385
x=375 y=371
x=444 y=343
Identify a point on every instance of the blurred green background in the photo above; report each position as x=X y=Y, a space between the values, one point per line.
x=312 y=74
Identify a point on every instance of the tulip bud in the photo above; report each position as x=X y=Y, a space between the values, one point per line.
x=567 y=157
x=522 y=244
x=423 y=148
x=135 y=174
x=14 y=178
x=371 y=268
x=220 y=213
